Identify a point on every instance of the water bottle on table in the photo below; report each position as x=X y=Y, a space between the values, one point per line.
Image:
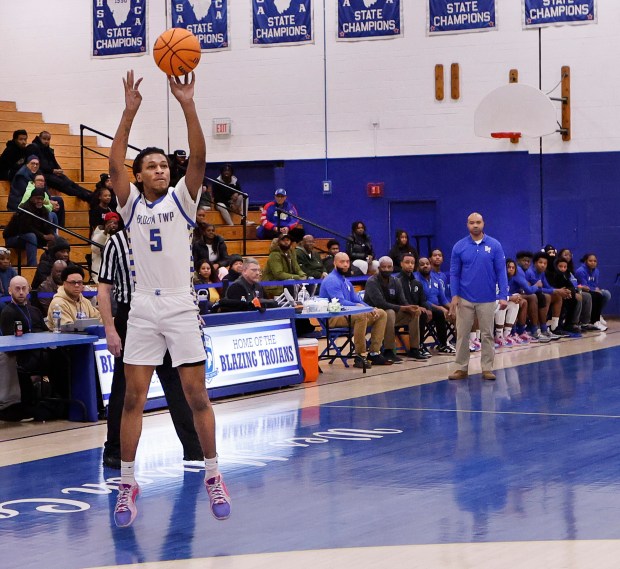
x=56 y=320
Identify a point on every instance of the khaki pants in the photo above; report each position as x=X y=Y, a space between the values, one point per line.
x=466 y=313
x=400 y=318
x=360 y=322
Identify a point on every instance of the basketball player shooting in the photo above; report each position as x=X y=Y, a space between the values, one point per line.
x=159 y=220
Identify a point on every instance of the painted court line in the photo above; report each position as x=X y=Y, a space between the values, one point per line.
x=476 y=411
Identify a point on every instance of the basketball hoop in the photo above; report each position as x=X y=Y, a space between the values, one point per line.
x=511 y=135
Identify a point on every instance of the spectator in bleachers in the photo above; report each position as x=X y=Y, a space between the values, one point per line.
x=206 y=244
x=537 y=276
x=31 y=364
x=431 y=297
x=55 y=205
x=100 y=207
x=247 y=285
x=54 y=174
x=6 y=271
x=70 y=300
x=30 y=231
x=59 y=250
x=105 y=182
x=401 y=248
x=206 y=273
x=226 y=194
x=101 y=234
x=309 y=260
x=335 y=285
x=281 y=265
x=333 y=248
x=271 y=219
x=178 y=166
x=436 y=260
x=235 y=262
x=359 y=246
x=201 y=214
x=50 y=285
x=588 y=276
x=14 y=156
x=386 y=292
x=20 y=182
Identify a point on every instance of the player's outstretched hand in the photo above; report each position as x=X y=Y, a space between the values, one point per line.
x=182 y=88
x=133 y=98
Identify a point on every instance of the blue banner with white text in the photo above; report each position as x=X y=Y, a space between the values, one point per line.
x=206 y=19
x=369 y=19
x=278 y=22
x=539 y=13
x=459 y=17
x=119 y=28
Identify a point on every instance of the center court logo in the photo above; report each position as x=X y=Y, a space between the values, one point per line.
x=211 y=370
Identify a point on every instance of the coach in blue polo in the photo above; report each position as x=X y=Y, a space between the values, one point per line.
x=477 y=280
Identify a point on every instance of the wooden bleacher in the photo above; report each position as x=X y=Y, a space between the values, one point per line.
x=67 y=150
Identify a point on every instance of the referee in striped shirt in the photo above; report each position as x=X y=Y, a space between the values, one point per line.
x=115 y=282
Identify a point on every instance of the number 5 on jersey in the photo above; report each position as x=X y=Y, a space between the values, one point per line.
x=155 y=240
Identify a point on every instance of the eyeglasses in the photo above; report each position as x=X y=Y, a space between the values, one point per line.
x=75 y=283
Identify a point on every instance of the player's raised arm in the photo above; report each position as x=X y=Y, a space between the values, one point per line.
x=118 y=150
x=183 y=91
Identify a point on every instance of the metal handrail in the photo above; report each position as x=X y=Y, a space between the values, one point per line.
x=84 y=127
x=308 y=222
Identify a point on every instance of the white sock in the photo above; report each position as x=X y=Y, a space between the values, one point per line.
x=211 y=469
x=127 y=472
x=554 y=322
x=477 y=334
x=507 y=332
x=472 y=336
x=498 y=332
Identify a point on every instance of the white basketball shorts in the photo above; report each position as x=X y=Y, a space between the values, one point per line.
x=163 y=319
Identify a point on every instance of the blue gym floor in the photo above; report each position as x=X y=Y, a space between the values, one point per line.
x=533 y=456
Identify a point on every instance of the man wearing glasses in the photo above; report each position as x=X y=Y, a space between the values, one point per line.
x=70 y=300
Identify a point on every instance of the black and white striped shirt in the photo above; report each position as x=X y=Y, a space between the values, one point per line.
x=115 y=267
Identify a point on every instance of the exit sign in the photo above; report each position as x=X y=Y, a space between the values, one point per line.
x=374 y=189
x=221 y=127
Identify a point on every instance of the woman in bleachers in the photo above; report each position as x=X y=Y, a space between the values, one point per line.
x=206 y=274
x=207 y=245
x=100 y=207
x=359 y=245
x=401 y=248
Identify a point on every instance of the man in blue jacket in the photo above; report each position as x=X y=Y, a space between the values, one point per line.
x=477 y=273
x=335 y=285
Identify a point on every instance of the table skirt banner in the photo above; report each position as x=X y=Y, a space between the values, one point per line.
x=235 y=354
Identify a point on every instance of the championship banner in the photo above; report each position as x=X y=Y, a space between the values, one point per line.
x=540 y=13
x=459 y=17
x=119 y=28
x=206 y=19
x=369 y=19
x=276 y=22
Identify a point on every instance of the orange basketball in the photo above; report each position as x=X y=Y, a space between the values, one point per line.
x=176 y=51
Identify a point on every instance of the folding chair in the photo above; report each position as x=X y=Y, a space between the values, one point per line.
x=332 y=334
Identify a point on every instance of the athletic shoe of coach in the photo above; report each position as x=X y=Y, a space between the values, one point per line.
x=218 y=497
x=125 y=511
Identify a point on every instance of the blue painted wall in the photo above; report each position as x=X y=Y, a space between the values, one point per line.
x=579 y=199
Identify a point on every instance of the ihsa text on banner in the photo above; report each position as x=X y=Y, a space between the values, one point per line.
x=369 y=19
x=458 y=17
x=276 y=22
x=119 y=28
x=539 y=13
x=206 y=19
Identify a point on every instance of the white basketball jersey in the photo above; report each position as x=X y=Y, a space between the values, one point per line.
x=160 y=237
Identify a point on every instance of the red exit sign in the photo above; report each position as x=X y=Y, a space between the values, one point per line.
x=221 y=127
x=374 y=189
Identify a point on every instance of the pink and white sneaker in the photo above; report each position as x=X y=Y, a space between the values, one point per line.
x=500 y=342
x=525 y=338
x=475 y=346
x=218 y=497
x=125 y=511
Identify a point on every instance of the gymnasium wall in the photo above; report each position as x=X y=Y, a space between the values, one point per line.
x=433 y=166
